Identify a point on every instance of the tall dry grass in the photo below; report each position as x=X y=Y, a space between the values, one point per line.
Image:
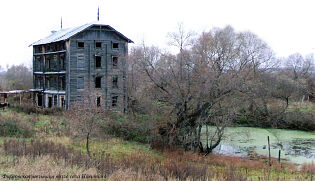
x=171 y=165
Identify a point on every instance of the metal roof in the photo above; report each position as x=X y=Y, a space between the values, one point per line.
x=65 y=34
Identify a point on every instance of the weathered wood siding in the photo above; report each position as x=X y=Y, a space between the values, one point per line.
x=82 y=67
x=49 y=66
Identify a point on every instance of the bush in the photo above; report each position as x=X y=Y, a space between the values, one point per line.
x=24 y=107
x=49 y=111
x=129 y=130
x=37 y=148
x=29 y=107
x=14 y=126
x=293 y=119
x=300 y=120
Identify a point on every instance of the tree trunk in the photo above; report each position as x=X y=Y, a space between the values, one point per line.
x=210 y=149
x=87 y=144
x=201 y=150
x=197 y=141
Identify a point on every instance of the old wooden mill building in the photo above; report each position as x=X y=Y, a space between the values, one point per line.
x=73 y=63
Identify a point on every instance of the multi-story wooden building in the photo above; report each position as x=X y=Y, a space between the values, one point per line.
x=86 y=60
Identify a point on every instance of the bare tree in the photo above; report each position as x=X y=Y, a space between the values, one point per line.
x=299 y=66
x=2 y=78
x=204 y=84
x=86 y=118
x=299 y=69
x=18 y=77
x=198 y=83
x=228 y=63
x=311 y=88
x=269 y=99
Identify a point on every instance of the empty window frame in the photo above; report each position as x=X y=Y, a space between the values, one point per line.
x=50 y=101
x=80 y=83
x=62 y=101
x=47 y=47
x=115 y=81
x=98 y=44
x=48 y=64
x=98 y=82
x=98 y=101
x=62 y=61
x=62 y=83
x=80 y=44
x=115 y=61
x=55 y=100
x=54 y=63
x=53 y=47
x=98 y=62
x=39 y=100
x=115 y=45
x=114 y=101
x=38 y=49
x=62 y=64
x=38 y=63
x=38 y=82
x=53 y=83
x=47 y=82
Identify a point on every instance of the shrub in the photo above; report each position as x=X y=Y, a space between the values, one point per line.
x=300 y=120
x=49 y=111
x=293 y=119
x=28 y=107
x=128 y=130
x=36 y=148
x=308 y=168
x=173 y=165
x=14 y=126
x=24 y=107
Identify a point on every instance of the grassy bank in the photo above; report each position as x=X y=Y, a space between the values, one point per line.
x=135 y=161
x=58 y=153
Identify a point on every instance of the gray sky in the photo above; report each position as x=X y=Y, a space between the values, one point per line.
x=286 y=25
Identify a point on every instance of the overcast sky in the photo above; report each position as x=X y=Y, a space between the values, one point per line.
x=287 y=26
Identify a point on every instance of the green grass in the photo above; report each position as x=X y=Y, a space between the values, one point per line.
x=4 y=112
x=306 y=107
x=41 y=123
x=116 y=147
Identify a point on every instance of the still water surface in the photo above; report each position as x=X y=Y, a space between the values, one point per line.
x=296 y=146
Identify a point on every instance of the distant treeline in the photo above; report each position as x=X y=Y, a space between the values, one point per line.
x=16 y=77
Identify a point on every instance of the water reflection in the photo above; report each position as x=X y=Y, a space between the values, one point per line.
x=297 y=150
x=301 y=147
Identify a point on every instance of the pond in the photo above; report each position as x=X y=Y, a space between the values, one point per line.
x=296 y=146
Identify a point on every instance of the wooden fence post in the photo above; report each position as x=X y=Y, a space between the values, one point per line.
x=269 y=151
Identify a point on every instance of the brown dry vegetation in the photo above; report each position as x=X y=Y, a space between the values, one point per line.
x=51 y=149
x=35 y=157
x=219 y=78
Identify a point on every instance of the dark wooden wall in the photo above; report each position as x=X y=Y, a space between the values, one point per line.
x=82 y=67
x=66 y=66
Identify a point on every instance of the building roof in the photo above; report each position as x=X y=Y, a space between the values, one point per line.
x=14 y=92
x=65 y=34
